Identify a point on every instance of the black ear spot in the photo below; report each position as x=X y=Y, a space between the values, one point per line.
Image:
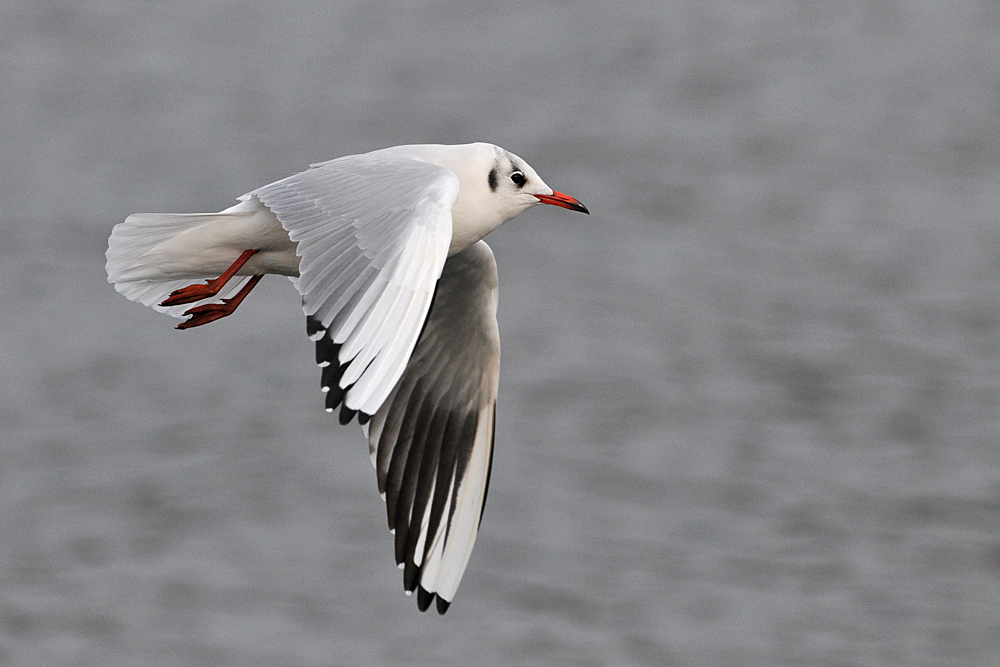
x=493 y=179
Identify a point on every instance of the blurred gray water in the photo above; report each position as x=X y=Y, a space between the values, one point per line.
x=749 y=408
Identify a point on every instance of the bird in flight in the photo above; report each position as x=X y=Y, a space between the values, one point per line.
x=400 y=296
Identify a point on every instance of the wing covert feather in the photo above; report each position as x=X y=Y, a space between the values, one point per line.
x=373 y=233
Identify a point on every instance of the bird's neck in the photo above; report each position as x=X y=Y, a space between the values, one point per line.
x=471 y=220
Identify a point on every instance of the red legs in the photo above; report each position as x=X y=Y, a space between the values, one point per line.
x=193 y=293
x=213 y=311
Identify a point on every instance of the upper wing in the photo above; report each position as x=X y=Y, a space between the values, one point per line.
x=432 y=440
x=373 y=233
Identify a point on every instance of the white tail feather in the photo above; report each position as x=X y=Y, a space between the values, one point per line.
x=136 y=269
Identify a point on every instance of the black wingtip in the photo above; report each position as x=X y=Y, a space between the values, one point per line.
x=363 y=417
x=442 y=605
x=313 y=326
x=334 y=396
x=424 y=599
x=326 y=350
x=411 y=574
x=346 y=414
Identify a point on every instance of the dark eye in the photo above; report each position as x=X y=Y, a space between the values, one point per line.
x=518 y=179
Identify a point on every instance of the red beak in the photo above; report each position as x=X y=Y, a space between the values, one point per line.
x=559 y=199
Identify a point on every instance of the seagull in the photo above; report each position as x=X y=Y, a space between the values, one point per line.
x=400 y=296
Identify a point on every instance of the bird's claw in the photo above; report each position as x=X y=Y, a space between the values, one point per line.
x=210 y=312
x=192 y=293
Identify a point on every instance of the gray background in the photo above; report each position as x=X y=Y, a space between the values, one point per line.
x=748 y=410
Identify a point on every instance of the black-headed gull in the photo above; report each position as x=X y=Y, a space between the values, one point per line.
x=400 y=296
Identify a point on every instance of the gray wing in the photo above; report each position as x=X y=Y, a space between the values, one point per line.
x=373 y=233
x=432 y=440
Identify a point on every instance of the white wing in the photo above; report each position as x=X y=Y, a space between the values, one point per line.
x=373 y=233
x=432 y=440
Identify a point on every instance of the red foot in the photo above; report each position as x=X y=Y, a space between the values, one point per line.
x=210 y=312
x=193 y=293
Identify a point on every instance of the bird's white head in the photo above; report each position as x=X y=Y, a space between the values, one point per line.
x=496 y=185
